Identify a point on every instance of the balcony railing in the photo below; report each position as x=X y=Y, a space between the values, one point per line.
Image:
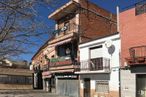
x=95 y=64
x=137 y=55
x=66 y=29
x=62 y=61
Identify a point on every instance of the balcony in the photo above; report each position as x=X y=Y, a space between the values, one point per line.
x=63 y=64
x=95 y=65
x=66 y=33
x=140 y=8
x=137 y=56
x=60 y=61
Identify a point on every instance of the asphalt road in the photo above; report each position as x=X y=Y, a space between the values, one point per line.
x=26 y=93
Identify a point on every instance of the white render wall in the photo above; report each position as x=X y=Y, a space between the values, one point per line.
x=114 y=58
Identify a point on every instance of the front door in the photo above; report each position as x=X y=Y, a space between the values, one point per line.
x=141 y=86
x=86 y=87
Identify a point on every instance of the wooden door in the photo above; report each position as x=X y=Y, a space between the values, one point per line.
x=86 y=87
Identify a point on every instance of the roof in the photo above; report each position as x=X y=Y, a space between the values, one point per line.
x=15 y=71
x=14 y=64
x=64 y=10
x=100 y=37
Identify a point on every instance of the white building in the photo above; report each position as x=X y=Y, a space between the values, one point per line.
x=99 y=67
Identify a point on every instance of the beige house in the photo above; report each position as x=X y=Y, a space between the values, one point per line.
x=15 y=75
x=76 y=21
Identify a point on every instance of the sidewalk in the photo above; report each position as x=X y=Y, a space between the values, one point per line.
x=26 y=93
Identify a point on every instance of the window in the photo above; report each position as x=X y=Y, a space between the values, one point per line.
x=64 y=50
x=140 y=8
x=14 y=79
x=102 y=86
x=66 y=26
x=96 y=52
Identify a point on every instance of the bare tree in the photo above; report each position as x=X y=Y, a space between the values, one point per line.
x=19 y=25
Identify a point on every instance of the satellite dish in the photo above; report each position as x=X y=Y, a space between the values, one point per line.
x=111 y=49
x=108 y=43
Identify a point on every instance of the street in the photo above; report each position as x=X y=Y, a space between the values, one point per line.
x=26 y=93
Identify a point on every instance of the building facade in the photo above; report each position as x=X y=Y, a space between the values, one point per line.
x=40 y=67
x=77 y=21
x=15 y=75
x=99 y=67
x=133 y=41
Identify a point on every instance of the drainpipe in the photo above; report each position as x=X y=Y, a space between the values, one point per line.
x=118 y=30
x=118 y=19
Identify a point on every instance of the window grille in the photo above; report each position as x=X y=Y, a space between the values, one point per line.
x=102 y=86
x=140 y=8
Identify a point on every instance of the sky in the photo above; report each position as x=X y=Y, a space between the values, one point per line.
x=109 y=5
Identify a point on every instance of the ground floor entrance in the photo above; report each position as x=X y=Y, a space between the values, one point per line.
x=141 y=85
x=67 y=85
x=37 y=80
x=133 y=82
x=86 y=87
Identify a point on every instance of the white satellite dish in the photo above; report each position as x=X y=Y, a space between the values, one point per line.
x=108 y=43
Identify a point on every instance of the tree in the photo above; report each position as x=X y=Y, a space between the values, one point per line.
x=19 y=25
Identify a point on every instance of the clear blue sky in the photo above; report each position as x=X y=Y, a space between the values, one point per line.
x=109 y=5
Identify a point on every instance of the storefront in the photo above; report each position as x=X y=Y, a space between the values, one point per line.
x=48 y=81
x=67 y=84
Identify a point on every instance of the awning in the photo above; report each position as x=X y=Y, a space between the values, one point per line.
x=49 y=76
x=46 y=74
x=61 y=42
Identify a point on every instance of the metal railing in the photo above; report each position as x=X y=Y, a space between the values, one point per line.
x=66 y=29
x=140 y=8
x=95 y=64
x=137 y=55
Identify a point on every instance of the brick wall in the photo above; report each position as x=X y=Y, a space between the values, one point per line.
x=133 y=31
x=93 y=26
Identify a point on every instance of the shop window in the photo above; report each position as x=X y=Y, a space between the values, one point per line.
x=14 y=79
x=102 y=86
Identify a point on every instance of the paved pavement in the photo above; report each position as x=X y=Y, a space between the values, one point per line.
x=26 y=93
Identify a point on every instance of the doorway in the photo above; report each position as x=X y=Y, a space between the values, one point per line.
x=86 y=87
x=141 y=85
